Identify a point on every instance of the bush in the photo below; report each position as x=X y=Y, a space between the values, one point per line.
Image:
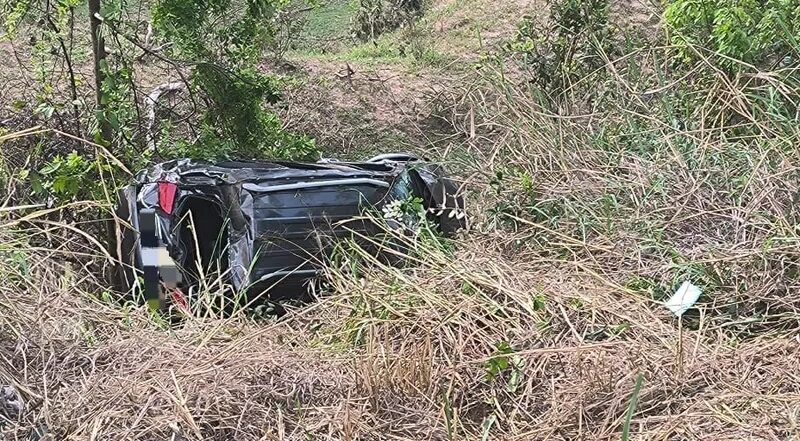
x=374 y=17
x=227 y=44
x=573 y=44
x=761 y=32
x=236 y=123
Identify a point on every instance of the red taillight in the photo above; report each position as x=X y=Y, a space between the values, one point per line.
x=166 y=196
x=180 y=301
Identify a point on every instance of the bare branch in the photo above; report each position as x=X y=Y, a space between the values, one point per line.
x=151 y=102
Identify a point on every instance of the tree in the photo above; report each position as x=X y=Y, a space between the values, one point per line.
x=225 y=40
x=215 y=46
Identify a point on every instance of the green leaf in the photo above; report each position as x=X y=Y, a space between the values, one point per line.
x=61 y=185
x=500 y=361
x=626 y=428
x=51 y=167
x=36 y=183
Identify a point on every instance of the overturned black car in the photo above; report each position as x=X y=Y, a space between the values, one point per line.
x=261 y=228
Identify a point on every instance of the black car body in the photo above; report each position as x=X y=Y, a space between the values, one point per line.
x=264 y=226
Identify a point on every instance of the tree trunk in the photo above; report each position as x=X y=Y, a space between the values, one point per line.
x=99 y=51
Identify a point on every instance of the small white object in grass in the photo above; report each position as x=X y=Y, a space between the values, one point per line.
x=683 y=299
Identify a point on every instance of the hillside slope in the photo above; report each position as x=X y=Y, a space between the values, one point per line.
x=591 y=202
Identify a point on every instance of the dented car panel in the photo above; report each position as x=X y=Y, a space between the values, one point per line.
x=267 y=227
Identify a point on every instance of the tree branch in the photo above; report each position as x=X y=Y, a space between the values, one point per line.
x=151 y=101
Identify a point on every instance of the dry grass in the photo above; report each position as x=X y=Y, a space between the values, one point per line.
x=394 y=354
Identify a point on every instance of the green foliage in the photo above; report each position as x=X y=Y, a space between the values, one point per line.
x=48 y=27
x=327 y=26
x=374 y=17
x=503 y=360
x=753 y=31
x=217 y=30
x=572 y=44
x=236 y=123
x=15 y=13
x=647 y=287
x=17 y=260
x=409 y=212
x=69 y=177
x=410 y=222
x=500 y=360
x=226 y=44
x=119 y=103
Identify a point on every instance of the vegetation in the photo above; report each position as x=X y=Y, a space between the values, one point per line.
x=375 y=17
x=227 y=45
x=213 y=48
x=754 y=32
x=604 y=167
x=573 y=44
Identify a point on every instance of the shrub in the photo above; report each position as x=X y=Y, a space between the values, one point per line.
x=570 y=46
x=374 y=17
x=760 y=32
x=70 y=177
x=226 y=43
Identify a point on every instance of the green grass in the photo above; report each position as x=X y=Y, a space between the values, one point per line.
x=406 y=49
x=383 y=49
x=328 y=26
x=326 y=36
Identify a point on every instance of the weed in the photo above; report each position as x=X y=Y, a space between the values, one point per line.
x=749 y=32
x=626 y=428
